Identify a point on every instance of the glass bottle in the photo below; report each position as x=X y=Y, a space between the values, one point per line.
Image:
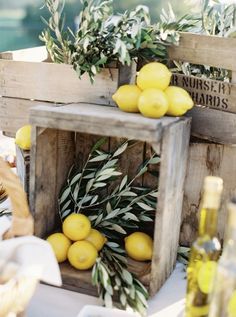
x=223 y=299
x=205 y=251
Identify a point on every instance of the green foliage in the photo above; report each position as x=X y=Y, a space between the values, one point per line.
x=102 y=37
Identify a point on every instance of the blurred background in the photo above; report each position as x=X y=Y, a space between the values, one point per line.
x=21 y=24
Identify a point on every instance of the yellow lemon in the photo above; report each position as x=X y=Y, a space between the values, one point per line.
x=126 y=98
x=60 y=245
x=139 y=246
x=232 y=305
x=179 y=101
x=206 y=275
x=97 y=239
x=153 y=103
x=76 y=227
x=23 y=137
x=154 y=75
x=82 y=255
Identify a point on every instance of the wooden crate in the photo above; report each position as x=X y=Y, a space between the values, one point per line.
x=214 y=117
x=66 y=133
x=214 y=120
x=28 y=77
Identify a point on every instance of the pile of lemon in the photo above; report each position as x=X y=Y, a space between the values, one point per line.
x=152 y=95
x=80 y=244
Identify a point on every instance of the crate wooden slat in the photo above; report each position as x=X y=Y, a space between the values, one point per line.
x=205 y=50
x=110 y=121
x=44 y=81
x=206 y=159
x=167 y=136
x=210 y=93
x=222 y=129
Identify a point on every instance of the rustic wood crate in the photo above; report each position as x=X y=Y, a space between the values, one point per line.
x=66 y=133
x=27 y=77
x=215 y=120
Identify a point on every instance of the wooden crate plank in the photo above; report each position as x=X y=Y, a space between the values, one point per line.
x=168 y=217
x=44 y=81
x=14 y=113
x=51 y=156
x=94 y=119
x=23 y=167
x=33 y=54
x=206 y=159
x=213 y=125
x=205 y=50
x=206 y=92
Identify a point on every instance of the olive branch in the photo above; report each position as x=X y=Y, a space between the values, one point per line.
x=103 y=37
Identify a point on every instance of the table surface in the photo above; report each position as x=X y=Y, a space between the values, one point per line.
x=55 y=302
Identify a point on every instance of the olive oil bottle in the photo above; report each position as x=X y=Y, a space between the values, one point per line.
x=223 y=299
x=205 y=251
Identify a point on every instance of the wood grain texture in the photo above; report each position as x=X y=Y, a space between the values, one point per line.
x=14 y=113
x=205 y=50
x=206 y=159
x=55 y=83
x=102 y=120
x=23 y=167
x=169 y=209
x=52 y=154
x=206 y=92
x=213 y=125
x=33 y=54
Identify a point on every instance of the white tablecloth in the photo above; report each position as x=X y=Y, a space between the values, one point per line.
x=55 y=302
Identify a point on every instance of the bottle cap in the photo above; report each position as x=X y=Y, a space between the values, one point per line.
x=213 y=184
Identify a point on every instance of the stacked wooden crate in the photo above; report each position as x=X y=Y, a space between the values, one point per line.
x=212 y=149
x=25 y=83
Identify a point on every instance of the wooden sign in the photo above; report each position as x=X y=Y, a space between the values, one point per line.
x=206 y=92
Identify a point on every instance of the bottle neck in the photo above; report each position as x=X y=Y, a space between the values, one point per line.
x=209 y=214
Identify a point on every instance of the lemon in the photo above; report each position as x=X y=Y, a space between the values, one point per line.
x=60 y=245
x=126 y=98
x=154 y=75
x=179 y=101
x=139 y=246
x=97 y=239
x=82 y=255
x=76 y=227
x=23 y=137
x=232 y=305
x=153 y=103
x=206 y=275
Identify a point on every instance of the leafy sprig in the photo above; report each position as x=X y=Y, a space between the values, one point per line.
x=103 y=37
x=112 y=278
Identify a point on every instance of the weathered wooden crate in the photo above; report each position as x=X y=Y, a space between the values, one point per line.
x=213 y=119
x=66 y=133
x=27 y=77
